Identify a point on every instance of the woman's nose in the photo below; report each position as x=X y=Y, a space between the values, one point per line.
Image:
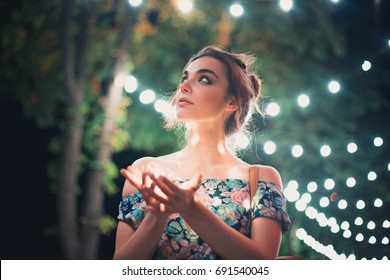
x=185 y=86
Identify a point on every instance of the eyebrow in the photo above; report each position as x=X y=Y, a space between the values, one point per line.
x=203 y=70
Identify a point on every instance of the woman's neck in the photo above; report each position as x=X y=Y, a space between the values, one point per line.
x=207 y=146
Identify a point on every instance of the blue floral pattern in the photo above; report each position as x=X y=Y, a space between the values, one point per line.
x=228 y=199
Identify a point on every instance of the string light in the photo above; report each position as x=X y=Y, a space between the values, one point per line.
x=329 y=184
x=334 y=87
x=325 y=150
x=360 y=204
x=135 y=3
x=351 y=182
x=358 y=221
x=147 y=96
x=242 y=140
x=185 y=6
x=371 y=225
x=303 y=100
x=269 y=147
x=312 y=186
x=273 y=109
x=378 y=141
x=131 y=84
x=378 y=202
x=352 y=147
x=236 y=10
x=371 y=176
x=366 y=65
x=297 y=151
x=286 y=5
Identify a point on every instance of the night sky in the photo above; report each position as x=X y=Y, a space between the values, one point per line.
x=28 y=209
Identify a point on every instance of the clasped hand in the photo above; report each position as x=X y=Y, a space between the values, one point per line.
x=162 y=195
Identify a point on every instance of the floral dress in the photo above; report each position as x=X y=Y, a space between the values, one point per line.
x=228 y=199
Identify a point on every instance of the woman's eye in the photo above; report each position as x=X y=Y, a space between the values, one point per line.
x=183 y=79
x=204 y=79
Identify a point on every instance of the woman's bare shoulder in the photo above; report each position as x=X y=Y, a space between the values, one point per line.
x=269 y=174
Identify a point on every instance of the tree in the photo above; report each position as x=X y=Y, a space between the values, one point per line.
x=89 y=46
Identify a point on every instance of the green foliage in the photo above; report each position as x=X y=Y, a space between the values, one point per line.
x=107 y=224
x=297 y=52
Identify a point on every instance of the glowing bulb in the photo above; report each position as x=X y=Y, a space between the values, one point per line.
x=366 y=65
x=286 y=5
x=344 y=225
x=352 y=148
x=312 y=186
x=131 y=84
x=359 y=237
x=351 y=182
x=360 y=204
x=372 y=240
x=273 y=109
x=371 y=225
x=335 y=228
x=378 y=202
x=324 y=202
x=147 y=96
x=297 y=151
x=135 y=3
x=242 y=140
x=329 y=184
x=163 y=107
x=306 y=197
x=378 y=141
x=334 y=87
x=347 y=233
x=325 y=150
x=269 y=147
x=185 y=6
x=311 y=212
x=300 y=205
x=303 y=100
x=292 y=185
x=236 y=10
x=358 y=221
x=342 y=204
x=371 y=176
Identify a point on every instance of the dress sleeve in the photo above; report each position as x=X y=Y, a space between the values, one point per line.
x=268 y=202
x=132 y=209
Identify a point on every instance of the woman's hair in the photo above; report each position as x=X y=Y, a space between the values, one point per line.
x=244 y=85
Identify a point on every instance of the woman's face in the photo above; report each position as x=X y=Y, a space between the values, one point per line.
x=202 y=94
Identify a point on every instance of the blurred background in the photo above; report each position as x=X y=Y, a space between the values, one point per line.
x=84 y=86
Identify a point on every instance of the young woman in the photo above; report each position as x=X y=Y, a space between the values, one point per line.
x=196 y=203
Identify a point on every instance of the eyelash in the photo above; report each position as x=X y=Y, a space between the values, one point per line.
x=208 y=81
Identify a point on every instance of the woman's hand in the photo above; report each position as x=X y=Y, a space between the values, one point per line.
x=174 y=197
x=143 y=182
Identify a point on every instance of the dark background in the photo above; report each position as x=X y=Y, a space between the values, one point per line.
x=28 y=211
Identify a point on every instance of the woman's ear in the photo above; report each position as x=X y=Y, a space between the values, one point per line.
x=232 y=104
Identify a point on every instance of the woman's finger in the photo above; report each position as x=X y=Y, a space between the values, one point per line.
x=134 y=180
x=167 y=190
x=195 y=182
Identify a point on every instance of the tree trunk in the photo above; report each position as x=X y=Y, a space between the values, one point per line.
x=74 y=88
x=94 y=198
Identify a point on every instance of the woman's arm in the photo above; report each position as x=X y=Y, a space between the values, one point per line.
x=140 y=243
x=227 y=242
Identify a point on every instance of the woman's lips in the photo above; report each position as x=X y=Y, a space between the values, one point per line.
x=184 y=101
